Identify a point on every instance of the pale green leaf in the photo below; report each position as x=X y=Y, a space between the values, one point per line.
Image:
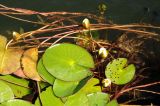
x=48 y=98
x=5 y=92
x=19 y=86
x=98 y=99
x=17 y=102
x=119 y=72
x=113 y=103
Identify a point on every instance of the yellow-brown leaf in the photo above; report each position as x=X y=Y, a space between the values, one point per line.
x=29 y=62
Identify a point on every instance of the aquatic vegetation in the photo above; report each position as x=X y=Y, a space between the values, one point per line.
x=118 y=71
x=65 y=63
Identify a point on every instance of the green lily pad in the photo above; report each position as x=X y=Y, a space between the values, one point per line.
x=44 y=73
x=5 y=92
x=118 y=71
x=113 y=103
x=98 y=99
x=64 y=88
x=19 y=86
x=78 y=99
x=48 y=98
x=68 y=62
x=90 y=86
x=17 y=102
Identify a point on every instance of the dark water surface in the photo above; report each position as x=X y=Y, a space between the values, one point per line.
x=119 y=11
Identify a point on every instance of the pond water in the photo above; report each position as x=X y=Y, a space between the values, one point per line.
x=119 y=11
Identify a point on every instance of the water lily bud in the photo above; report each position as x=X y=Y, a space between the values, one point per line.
x=16 y=35
x=103 y=53
x=86 y=23
x=106 y=82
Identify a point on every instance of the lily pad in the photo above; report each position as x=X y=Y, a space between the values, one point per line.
x=19 y=86
x=17 y=102
x=113 y=103
x=68 y=62
x=29 y=62
x=98 y=99
x=44 y=73
x=90 y=86
x=48 y=98
x=5 y=92
x=78 y=99
x=64 y=88
x=119 y=72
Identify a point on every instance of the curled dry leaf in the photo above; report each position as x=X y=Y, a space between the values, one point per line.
x=20 y=73
x=10 y=62
x=3 y=41
x=29 y=62
x=9 y=58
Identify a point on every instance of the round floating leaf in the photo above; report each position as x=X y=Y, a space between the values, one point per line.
x=17 y=102
x=98 y=99
x=68 y=62
x=78 y=99
x=113 y=103
x=10 y=62
x=5 y=92
x=91 y=87
x=44 y=73
x=119 y=72
x=64 y=88
x=19 y=86
x=49 y=99
x=29 y=62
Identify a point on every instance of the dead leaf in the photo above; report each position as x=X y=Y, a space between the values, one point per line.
x=20 y=73
x=29 y=62
x=10 y=62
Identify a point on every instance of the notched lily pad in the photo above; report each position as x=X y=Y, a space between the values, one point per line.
x=98 y=99
x=44 y=73
x=119 y=72
x=113 y=103
x=64 y=88
x=68 y=62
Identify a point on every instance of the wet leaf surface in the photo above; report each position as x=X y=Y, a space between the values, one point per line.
x=68 y=62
